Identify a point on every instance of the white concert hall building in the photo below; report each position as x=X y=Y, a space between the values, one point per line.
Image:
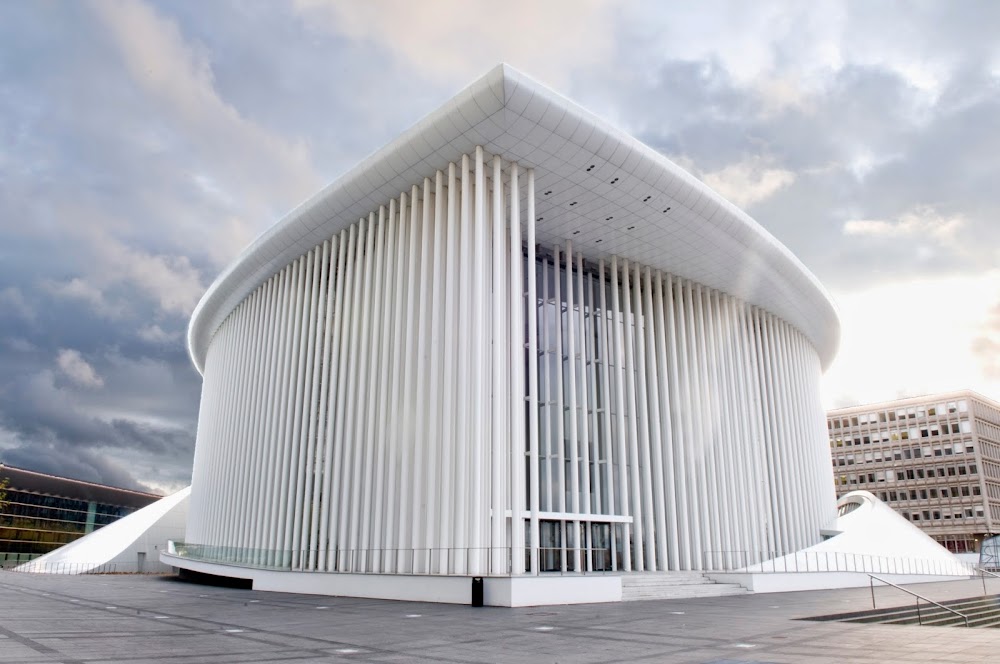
x=514 y=343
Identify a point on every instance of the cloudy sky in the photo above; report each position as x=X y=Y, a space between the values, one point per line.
x=144 y=144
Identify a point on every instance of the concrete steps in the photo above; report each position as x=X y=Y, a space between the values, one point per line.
x=981 y=611
x=674 y=585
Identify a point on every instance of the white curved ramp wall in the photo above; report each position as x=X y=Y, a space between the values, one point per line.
x=130 y=544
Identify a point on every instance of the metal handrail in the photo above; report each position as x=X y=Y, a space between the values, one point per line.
x=982 y=576
x=871 y=582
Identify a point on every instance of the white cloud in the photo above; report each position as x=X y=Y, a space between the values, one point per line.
x=257 y=165
x=77 y=369
x=171 y=281
x=168 y=280
x=920 y=222
x=749 y=181
x=157 y=335
x=456 y=40
x=84 y=291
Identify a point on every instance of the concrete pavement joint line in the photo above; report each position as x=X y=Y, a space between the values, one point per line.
x=40 y=648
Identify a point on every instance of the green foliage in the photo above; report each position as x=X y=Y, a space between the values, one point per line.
x=3 y=494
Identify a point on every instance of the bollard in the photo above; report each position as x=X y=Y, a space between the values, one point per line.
x=477 y=591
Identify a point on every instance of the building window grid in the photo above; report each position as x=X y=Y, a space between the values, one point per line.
x=947 y=426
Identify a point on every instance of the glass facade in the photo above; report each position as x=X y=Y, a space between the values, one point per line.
x=43 y=512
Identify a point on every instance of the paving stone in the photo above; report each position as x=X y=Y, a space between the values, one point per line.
x=50 y=618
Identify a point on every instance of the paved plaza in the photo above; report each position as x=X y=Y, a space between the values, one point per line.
x=162 y=619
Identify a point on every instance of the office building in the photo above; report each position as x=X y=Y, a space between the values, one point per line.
x=935 y=459
x=44 y=512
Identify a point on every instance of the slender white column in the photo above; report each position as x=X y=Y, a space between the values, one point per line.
x=560 y=411
x=598 y=497
x=451 y=398
x=385 y=300
x=679 y=430
x=545 y=357
x=397 y=439
x=583 y=449
x=313 y=544
x=605 y=326
x=305 y=412
x=651 y=322
x=375 y=337
x=463 y=438
x=434 y=449
x=345 y=393
x=630 y=324
x=619 y=323
x=480 y=373
x=251 y=509
x=409 y=395
x=532 y=310
x=281 y=396
x=332 y=446
x=666 y=442
x=573 y=414
x=419 y=505
x=515 y=361
x=644 y=442
x=500 y=398
x=690 y=440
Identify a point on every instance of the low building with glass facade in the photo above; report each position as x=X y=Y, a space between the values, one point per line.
x=44 y=512
x=935 y=459
x=513 y=342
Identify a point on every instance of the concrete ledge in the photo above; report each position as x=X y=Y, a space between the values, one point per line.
x=552 y=590
x=779 y=582
x=497 y=591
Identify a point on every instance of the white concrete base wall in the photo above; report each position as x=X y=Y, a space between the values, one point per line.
x=497 y=591
x=793 y=581
x=551 y=590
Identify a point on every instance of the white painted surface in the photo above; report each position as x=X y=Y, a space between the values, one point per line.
x=498 y=591
x=791 y=582
x=552 y=590
x=714 y=400
x=118 y=545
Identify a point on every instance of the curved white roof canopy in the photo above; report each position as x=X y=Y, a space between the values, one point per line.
x=634 y=203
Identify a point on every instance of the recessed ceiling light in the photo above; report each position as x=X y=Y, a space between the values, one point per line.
x=540 y=218
x=615 y=180
x=630 y=228
x=667 y=210
x=572 y=204
x=548 y=192
x=576 y=232
x=646 y=199
x=609 y=218
x=598 y=241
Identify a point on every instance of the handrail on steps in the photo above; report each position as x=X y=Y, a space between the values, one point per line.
x=871 y=582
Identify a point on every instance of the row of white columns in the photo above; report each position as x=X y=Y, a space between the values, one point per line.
x=367 y=408
x=692 y=412
x=364 y=408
